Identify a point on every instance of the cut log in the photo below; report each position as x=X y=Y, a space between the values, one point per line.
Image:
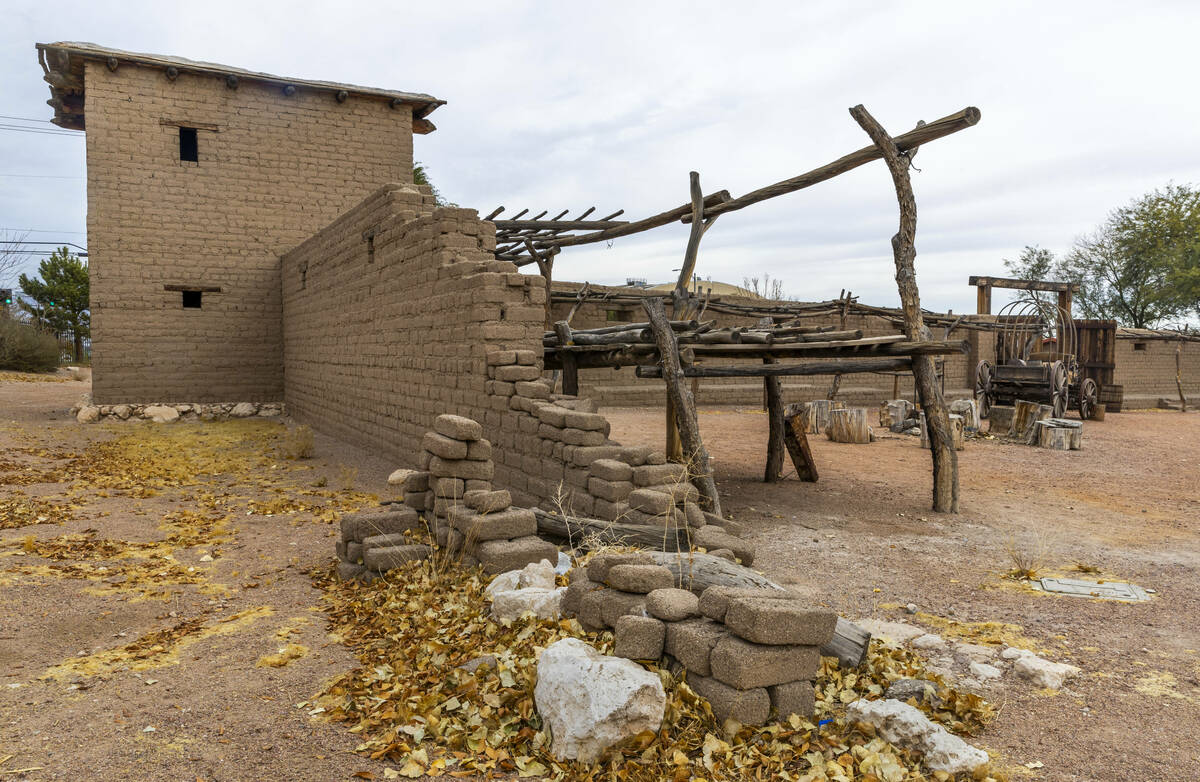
x=796 y=442
x=895 y=411
x=815 y=414
x=1025 y=418
x=775 y=427
x=698 y=572
x=957 y=428
x=849 y=426
x=584 y=533
x=1060 y=435
x=787 y=370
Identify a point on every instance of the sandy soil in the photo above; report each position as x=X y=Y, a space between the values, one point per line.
x=863 y=541
x=89 y=661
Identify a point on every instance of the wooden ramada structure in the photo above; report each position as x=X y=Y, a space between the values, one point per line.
x=681 y=346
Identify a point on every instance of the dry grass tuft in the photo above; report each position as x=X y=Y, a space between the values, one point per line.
x=298 y=443
x=1028 y=556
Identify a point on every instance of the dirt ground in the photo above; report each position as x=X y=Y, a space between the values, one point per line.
x=863 y=541
x=182 y=637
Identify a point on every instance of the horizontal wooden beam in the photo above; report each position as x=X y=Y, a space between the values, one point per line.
x=786 y=370
x=557 y=225
x=610 y=356
x=1023 y=285
x=198 y=288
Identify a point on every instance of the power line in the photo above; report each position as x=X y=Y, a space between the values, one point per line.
x=21 y=129
x=41 y=176
x=23 y=119
x=42 y=231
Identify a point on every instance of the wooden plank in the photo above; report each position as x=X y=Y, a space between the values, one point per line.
x=576 y=530
x=1023 y=285
x=796 y=441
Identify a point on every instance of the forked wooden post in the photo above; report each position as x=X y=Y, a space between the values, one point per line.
x=685 y=406
x=773 y=388
x=941 y=439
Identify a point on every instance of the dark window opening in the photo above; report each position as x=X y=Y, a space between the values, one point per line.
x=370 y=249
x=303 y=277
x=192 y=299
x=1139 y=346
x=189 y=146
x=619 y=315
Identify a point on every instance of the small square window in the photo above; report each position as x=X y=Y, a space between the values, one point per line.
x=192 y=299
x=189 y=145
x=1139 y=346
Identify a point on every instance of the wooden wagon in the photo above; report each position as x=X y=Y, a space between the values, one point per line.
x=1036 y=361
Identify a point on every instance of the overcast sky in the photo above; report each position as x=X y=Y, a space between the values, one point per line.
x=1085 y=106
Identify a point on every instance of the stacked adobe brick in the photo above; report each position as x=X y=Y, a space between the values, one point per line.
x=379 y=540
x=750 y=652
x=466 y=516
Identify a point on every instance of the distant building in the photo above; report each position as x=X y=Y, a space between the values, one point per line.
x=199 y=176
x=703 y=287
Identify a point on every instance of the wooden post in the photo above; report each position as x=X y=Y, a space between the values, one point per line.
x=983 y=299
x=685 y=405
x=941 y=439
x=1179 y=375
x=674 y=449
x=773 y=388
x=570 y=384
x=679 y=297
x=545 y=266
x=796 y=440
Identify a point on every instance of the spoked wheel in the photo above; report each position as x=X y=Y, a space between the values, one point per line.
x=1059 y=389
x=984 y=395
x=1089 y=394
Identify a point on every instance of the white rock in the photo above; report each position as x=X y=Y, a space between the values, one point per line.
x=537 y=574
x=591 y=701
x=895 y=632
x=1042 y=672
x=985 y=672
x=929 y=641
x=88 y=414
x=564 y=564
x=511 y=603
x=976 y=652
x=398 y=477
x=122 y=411
x=908 y=727
x=243 y=410
x=503 y=582
x=1012 y=653
x=161 y=414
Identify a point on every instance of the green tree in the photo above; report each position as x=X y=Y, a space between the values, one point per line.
x=60 y=297
x=1142 y=265
x=421 y=177
x=1034 y=263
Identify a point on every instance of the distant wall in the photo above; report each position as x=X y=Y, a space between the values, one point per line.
x=272 y=169
x=1146 y=368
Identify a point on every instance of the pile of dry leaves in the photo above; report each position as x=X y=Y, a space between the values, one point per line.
x=409 y=702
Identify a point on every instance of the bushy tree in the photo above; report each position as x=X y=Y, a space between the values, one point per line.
x=1142 y=265
x=1034 y=263
x=60 y=297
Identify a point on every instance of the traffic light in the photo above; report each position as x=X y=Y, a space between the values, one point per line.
x=6 y=296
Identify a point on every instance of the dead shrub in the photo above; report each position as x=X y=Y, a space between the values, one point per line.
x=297 y=443
x=1028 y=557
x=347 y=477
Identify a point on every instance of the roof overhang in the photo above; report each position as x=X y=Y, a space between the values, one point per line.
x=63 y=63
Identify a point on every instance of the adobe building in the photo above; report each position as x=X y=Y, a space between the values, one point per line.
x=199 y=177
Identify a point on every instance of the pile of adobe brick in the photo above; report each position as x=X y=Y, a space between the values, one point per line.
x=752 y=653
x=452 y=496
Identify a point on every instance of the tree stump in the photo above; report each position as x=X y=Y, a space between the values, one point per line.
x=848 y=426
x=1000 y=419
x=969 y=410
x=895 y=412
x=1059 y=434
x=1025 y=418
x=815 y=414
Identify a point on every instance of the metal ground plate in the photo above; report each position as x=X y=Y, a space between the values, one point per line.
x=1109 y=590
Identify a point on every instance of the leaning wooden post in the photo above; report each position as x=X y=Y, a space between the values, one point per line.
x=941 y=439
x=685 y=405
x=570 y=384
x=1179 y=374
x=775 y=426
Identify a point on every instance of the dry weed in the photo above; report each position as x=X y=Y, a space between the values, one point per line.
x=297 y=443
x=1028 y=556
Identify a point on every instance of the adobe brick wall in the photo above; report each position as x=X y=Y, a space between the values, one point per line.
x=1148 y=373
x=276 y=169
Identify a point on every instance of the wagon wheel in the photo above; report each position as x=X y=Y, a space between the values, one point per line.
x=984 y=395
x=1059 y=389
x=1088 y=395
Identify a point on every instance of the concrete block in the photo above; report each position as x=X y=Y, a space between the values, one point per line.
x=382 y=559
x=743 y=665
x=792 y=698
x=641 y=579
x=600 y=564
x=638 y=637
x=456 y=427
x=779 y=622
x=445 y=447
x=672 y=605
x=691 y=643
x=497 y=556
x=749 y=707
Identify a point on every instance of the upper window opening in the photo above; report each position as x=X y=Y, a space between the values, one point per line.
x=1139 y=346
x=192 y=299
x=189 y=145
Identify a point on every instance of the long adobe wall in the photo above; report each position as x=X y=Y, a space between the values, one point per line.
x=396 y=313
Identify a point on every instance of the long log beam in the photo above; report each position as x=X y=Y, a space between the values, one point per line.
x=786 y=370
x=914 y=138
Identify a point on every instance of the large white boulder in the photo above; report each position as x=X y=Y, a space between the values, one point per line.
x=590 y=701
x=161 y=414
x=908 y=727
x=537 y=574
x=1043 y=672
x=511 y=603
x=88 y=414
x=243 y=410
